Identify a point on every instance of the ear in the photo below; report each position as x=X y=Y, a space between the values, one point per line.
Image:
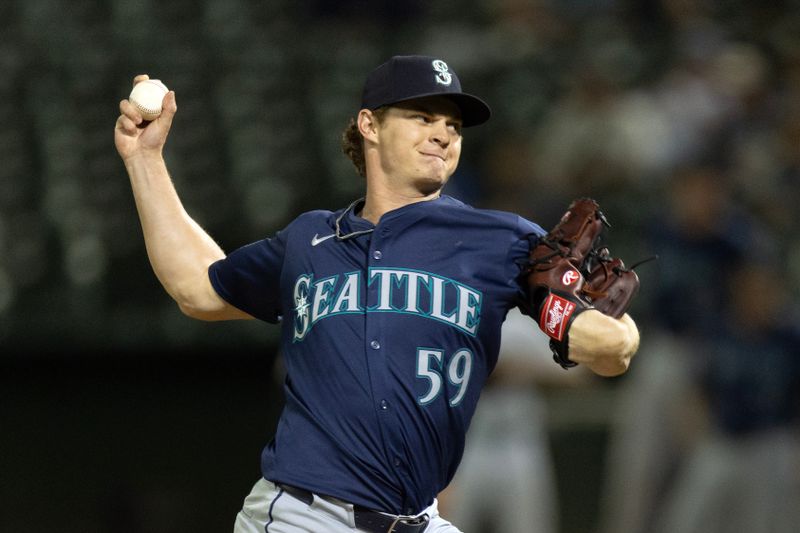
x=367 y=125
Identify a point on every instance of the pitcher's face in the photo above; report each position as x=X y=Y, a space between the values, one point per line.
x=419 y=142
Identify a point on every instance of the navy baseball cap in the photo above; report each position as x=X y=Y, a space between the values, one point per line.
x=407 y=77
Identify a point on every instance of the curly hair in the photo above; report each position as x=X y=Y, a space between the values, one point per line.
x=353 y=142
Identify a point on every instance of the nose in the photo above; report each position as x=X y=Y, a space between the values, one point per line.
x=439 y=133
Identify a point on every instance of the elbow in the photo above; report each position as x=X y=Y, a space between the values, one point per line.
x=196 y=298
x=190 y=310
x=610 y=367
x=617 y=360
x=609 y=347
x=211 y=309
x=194 y=304
x=607 y=363
x=197 y=312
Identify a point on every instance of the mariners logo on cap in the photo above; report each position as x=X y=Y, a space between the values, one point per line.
x=444 y=77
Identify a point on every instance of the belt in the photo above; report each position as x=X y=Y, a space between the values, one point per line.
x=368 y=520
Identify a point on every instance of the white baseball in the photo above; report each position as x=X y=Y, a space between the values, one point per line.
x=147 y=96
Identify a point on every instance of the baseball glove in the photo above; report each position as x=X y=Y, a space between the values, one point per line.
x=568 y=274
x=610 y=286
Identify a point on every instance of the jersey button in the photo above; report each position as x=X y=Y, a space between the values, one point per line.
x=375 y=345
x=397 y=461
x=384 y=405
x=377 y=254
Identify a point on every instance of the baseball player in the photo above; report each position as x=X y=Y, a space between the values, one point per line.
x=390 y=309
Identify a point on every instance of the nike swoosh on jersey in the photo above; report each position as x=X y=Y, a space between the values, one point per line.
x=317 y=239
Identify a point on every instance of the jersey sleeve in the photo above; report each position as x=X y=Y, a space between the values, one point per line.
x=249 y=278
x=527 y=235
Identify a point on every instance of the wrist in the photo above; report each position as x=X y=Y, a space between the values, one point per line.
x=144 y=158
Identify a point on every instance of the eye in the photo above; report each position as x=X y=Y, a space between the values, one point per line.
x=422 y=118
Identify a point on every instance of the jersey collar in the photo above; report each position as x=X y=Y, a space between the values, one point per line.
x=352 y=219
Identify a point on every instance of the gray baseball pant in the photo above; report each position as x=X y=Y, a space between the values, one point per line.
x=269 y=509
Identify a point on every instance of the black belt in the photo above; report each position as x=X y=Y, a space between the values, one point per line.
x=369 y=520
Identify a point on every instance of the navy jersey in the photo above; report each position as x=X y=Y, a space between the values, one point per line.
x=388 y=333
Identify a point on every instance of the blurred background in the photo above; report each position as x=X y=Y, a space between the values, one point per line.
x=682 y=118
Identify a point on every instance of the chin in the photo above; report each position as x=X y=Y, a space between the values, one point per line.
x=430 y=185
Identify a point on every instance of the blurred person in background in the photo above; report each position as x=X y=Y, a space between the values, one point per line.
x=720 y=384
x=698 y=231
x=743 y=474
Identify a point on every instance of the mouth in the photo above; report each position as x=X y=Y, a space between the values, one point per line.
x=434 y=155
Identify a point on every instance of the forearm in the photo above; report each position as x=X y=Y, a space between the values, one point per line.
x=179 y=250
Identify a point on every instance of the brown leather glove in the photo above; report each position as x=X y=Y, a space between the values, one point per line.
x=568 y=274
x=610 y=286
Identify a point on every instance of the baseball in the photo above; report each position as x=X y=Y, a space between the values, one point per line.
x=147 y=96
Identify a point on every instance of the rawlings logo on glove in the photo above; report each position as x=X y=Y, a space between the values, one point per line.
x=555 y=316
x=570 y=277
x=568 y=274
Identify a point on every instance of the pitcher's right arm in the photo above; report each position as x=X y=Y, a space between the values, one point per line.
x=180 y=251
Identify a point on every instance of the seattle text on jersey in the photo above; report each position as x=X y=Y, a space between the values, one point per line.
x=399 y=291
